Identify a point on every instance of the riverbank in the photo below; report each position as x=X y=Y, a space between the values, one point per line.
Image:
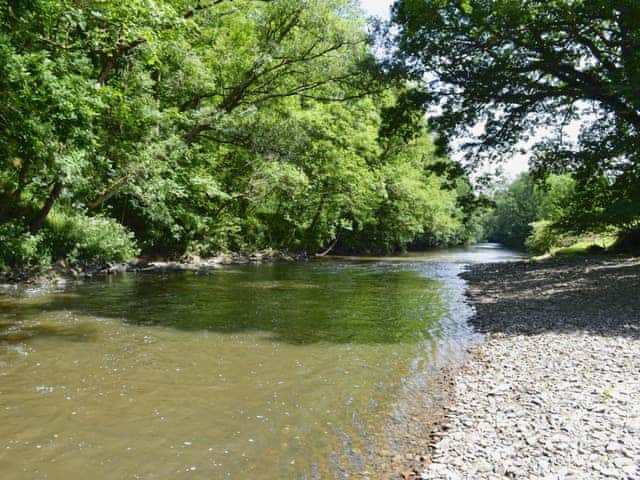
x=553 y=391
x=62 y=272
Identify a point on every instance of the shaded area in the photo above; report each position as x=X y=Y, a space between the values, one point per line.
x=16 y=332
x=595 y=295
x=293 y=303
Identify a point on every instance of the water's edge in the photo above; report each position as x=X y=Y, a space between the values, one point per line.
x=549 y=327
x=63 y=273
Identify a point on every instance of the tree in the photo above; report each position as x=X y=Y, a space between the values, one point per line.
x=533 y=213
x=514 y=66
x=516 y=209
x=196 y=126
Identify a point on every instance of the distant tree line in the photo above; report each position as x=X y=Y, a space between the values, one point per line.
x=544 y=215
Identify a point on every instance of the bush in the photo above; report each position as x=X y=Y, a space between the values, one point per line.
x=628 y=241
x=77 y=237
x=543 y=238
x=19 y=248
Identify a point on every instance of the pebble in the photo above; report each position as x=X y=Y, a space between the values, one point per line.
x=553 y=392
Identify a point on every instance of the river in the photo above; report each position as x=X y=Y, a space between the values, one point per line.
x=292 y=370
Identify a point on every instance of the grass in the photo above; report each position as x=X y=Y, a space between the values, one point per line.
x=582 y=246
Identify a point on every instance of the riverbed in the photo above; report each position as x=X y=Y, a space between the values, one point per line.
x=290 y=370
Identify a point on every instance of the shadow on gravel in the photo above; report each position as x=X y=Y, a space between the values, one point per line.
x=591 y=295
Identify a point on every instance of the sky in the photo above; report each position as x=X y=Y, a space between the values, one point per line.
x=513 y=166
x=378 y=8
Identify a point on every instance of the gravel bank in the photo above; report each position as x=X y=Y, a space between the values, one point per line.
x=554 y=390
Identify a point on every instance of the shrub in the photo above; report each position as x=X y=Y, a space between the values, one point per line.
x=19 y=248
x=627 y=241
x=542 y=239
x=77 y=237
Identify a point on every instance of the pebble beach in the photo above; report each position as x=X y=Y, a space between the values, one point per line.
x=553 y=391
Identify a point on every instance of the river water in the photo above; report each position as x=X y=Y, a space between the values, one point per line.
x=304 y=370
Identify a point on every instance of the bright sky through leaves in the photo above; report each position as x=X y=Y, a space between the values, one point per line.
x=378 y=8
x=381 y=9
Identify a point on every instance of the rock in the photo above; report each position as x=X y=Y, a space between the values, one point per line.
x=613 y=447
x=408 y=474
x=483 y=466
x=552 y=391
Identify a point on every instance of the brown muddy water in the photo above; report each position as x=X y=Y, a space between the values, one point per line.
x=285 y=371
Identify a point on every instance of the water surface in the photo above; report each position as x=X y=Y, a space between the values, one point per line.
x=307 y=370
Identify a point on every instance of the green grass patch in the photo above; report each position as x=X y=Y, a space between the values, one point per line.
x=588 y=245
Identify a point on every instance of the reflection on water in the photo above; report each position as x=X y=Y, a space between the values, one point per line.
x=480 y=253
x=282 y=371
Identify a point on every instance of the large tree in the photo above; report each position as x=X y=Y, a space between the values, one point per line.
x=204 y=125
x=514 y=66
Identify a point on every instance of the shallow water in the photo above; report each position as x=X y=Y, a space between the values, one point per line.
x=265 y=372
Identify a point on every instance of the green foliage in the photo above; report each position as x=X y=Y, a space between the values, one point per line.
x=593 y=244
x=531 y=213
x=516 y=209
x=542 y=238
x=545 y=217
x=76 y=237
x=554 y=194
x=208 y=126
x=598 y=204
x=21 y=249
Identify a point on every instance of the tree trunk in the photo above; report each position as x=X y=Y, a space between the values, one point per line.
x=37 y=222
x=328 y=250
x=316 y=218
x=10 y=206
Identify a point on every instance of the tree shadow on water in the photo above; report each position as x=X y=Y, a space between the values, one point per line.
x=18 y=332
x=298 y=306
x=590 y=295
